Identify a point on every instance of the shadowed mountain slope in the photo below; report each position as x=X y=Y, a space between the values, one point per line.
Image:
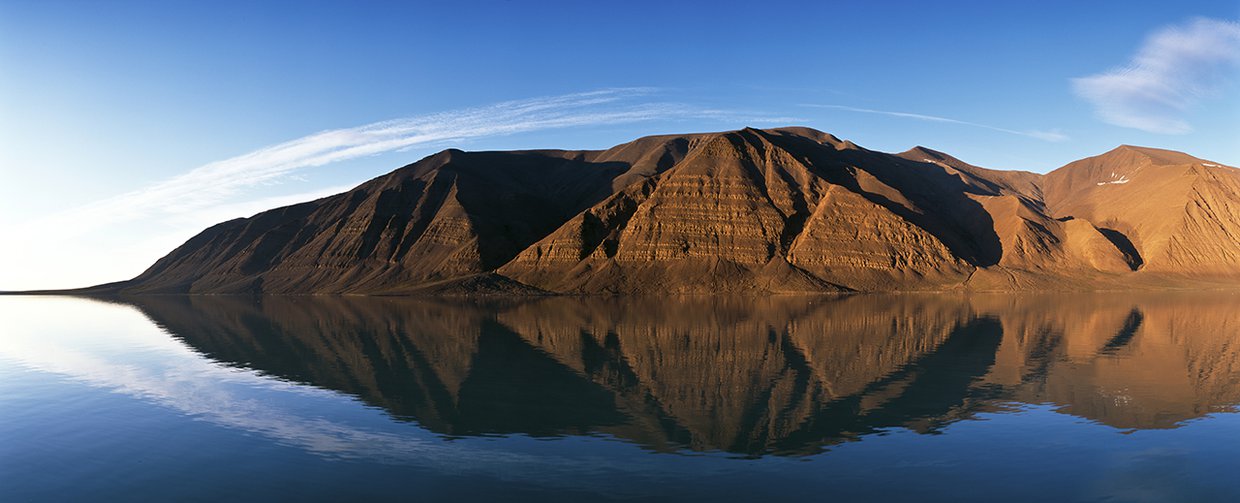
x=454 y=214
x=776 y=210
x=1174 y=212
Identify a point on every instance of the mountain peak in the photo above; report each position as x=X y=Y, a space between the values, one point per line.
x=927 y=153
x=815 y=135
x=1129 y=153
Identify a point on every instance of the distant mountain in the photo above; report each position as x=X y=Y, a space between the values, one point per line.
x=1179 y=213
x=776 y=210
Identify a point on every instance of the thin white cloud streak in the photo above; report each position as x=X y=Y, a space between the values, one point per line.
x=212 y=183
x=1174 y=70
x=217 y=181
x=182 y=205
x=1053 y=135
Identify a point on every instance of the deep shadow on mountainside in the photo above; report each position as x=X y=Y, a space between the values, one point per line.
x=785 y=210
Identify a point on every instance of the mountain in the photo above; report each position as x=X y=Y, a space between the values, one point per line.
x=1179 y=214
x=775 y=210
x=451 y=215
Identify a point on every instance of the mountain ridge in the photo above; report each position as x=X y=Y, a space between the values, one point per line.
x=782 y=210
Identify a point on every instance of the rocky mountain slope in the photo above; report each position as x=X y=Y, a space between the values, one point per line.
x=1174 y=212
x=777 y=210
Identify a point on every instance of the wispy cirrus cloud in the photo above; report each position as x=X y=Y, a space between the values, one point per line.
x=130 y=230
x=1053 y=135
x=216 y=183
x=1175 y=69
x=212 y=183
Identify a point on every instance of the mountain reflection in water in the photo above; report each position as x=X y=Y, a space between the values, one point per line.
x=780 y=375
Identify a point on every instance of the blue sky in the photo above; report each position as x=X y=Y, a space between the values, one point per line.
x=126 y=127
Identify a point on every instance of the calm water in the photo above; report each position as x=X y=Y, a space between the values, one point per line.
x=1091 y=397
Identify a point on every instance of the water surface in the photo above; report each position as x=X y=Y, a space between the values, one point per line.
x=1094 y=397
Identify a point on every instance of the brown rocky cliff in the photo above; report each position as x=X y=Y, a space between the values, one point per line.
x=1176 y=213
x=759 y=211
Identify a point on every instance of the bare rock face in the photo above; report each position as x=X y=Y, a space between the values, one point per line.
x=777 y=210
x=1176 y=213
x=450 y=216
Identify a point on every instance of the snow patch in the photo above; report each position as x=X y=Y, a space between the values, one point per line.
x=1210 y=165
x=1122 y=179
